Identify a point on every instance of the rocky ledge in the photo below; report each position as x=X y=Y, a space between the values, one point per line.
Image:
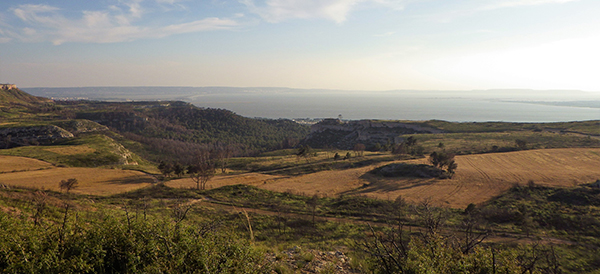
x=33 y=135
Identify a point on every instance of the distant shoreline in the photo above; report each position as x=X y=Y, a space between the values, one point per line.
x=456 y=106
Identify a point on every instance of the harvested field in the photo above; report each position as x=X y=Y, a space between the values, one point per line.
x=14 y=164
x=254 y=179
x=93 y=181
x=482 y=176
x=479 y=177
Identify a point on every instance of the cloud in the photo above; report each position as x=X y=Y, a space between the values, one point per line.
x=336 y=10
x=115 y=24
x=518 y=3
x=480 y=6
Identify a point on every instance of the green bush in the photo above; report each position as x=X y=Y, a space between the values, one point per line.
x=107 y=243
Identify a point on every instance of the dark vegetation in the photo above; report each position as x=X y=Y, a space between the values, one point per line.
x=408 y=170
x=169 y=130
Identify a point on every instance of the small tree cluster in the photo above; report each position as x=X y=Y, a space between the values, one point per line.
x=443 y=160
x=409 y=146
x=521 y=144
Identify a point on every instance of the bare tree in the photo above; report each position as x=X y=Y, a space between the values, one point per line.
x=203 y=170
x=431 y=218
x=359 y=149
x=473 y=234
x=40 y=202
x=222 y=153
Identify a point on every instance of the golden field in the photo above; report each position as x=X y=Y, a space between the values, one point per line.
x=478 y=178
x=30 y=173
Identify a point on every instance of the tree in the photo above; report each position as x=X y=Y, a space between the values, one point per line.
x=306 y=152
x=410 y=141
x=359 y=149
x=521 y=144
x=203 y=170
x=443 y=160
x=452 y=166
x=178 y=169
x=68 y=184
x=222 y=153
x=201 y=173
x=377 y=147
x=165 y=168
x=399 y=149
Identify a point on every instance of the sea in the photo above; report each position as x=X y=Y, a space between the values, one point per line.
x=397 y=108
x=274 y=103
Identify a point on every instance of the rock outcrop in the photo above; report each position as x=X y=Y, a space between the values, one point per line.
x=22 y=136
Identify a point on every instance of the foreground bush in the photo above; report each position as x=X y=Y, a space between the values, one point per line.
x=108 y=243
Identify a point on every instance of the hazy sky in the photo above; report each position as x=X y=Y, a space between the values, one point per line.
x=332 y=44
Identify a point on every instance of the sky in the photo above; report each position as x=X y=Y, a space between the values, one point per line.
x=326 y=44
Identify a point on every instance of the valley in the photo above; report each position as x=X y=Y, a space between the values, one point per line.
x=288 y=194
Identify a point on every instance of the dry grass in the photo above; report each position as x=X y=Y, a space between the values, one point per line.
x=95 y=181
x=478 y=178
x=71 y=150
x=14 y=164
x=481 y=177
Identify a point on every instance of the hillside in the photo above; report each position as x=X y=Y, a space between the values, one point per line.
x=462 y=138
x=17 y=96
x=158 y=131
x=14 y=103
x=172 y=130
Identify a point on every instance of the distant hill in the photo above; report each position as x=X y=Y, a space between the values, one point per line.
x=171 y=130
x=17 y=96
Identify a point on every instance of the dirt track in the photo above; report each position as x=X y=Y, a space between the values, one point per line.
x=478 y=178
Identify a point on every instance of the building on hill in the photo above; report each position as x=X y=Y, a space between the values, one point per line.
x=8 y=86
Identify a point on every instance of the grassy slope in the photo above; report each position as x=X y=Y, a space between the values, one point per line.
x=87 y=151
x=19 y=96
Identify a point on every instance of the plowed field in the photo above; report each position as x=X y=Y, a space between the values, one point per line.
x=478 y=178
